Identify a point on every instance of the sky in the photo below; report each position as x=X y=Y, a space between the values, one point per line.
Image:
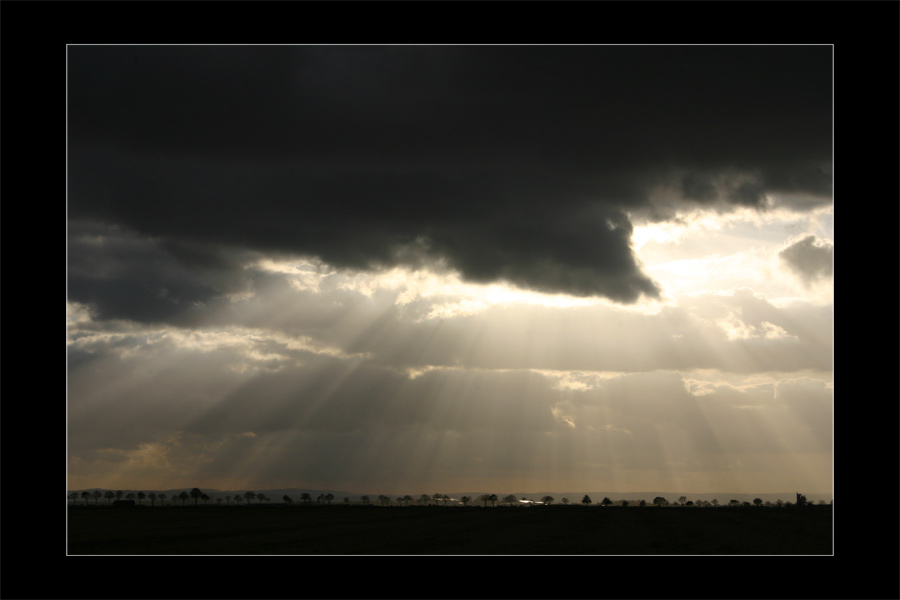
x=415 y=269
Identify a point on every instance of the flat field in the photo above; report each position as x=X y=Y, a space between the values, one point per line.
x=358 y=530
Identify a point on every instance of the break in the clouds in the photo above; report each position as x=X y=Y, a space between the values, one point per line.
x=408 y=268
x=523 y=164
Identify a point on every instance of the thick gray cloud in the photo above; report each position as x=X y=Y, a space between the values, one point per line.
x=518 y=163
x=809 y=257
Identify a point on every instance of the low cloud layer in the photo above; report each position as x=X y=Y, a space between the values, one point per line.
x=519 y=164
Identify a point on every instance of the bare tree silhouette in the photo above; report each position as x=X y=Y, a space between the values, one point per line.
x=109 y=495
x=195 y=494
x=329 y=497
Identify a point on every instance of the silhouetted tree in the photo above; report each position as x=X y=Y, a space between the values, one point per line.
x=384 y=499
x=757 y=501
x=682 y=500
x=329 y=497
x=287 y=499
x=73 y=496
x=586 y=500
x=734 y=503
x=249 y=495
x=184 y=496
x=205 y=498
x=510 y=499
x=195 y=494
x=548 y=500
x=130 y=496
x=141 y=496
x=565 y=500
x=262 y=497
x=484 y=498
x=642 y=503
x=109 y=495
x=714 y=502
x=365 y=499
x=624 y=503
x=305 y=498
x=85 y=495
x=660 y=501
x=605 y=502
x=424 y=498
x=96 y=495
x=238 y=499
x=493 y=499
x=162 y=499
x=465 y=500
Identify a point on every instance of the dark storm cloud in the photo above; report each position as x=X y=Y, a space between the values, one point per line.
x=809 y=257
x=511 y=163
x=123 y=275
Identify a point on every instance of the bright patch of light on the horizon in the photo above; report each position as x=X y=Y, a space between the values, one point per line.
x=705 y=251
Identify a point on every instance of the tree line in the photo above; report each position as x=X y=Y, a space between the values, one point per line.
x=437 y=499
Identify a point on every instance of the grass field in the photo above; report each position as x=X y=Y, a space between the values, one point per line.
x=571 y=530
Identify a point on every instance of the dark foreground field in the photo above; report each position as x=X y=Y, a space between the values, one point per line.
x=441 y=530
